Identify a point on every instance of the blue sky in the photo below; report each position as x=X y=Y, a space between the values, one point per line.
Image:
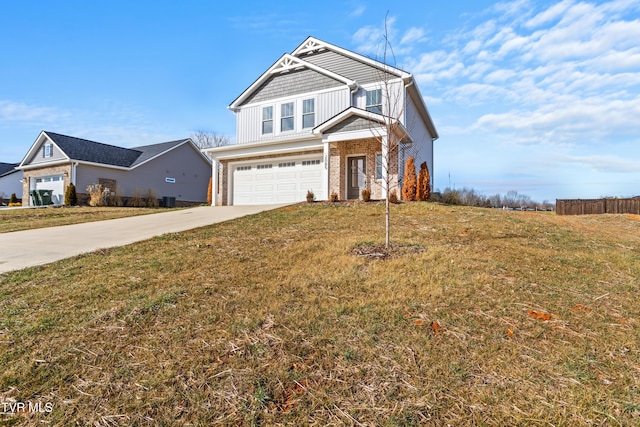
x=541 y=97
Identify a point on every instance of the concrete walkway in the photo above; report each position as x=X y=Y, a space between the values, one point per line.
x=21 y=249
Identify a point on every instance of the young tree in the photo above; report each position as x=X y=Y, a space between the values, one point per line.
x=391 y=131
x=410 y=183
x=424 y=184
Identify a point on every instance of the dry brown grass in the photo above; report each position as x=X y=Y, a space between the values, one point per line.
x=27 y=219
x=271 y=320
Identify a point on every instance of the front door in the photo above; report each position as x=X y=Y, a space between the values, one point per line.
x=356 y=173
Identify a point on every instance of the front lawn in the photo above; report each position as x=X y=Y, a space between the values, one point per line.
x=27 y=219
x=493 y=318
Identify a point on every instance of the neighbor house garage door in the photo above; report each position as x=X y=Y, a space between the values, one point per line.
x=276 y=181
x=55 y=183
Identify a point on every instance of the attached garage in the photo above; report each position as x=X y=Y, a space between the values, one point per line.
x=276 y=180
x=55 y=183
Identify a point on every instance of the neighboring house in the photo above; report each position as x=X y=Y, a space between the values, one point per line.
x=175 y=169
x=10 y=181
x=315 y=121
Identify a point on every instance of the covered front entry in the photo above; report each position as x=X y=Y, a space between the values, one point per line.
x=276 y=180
x=356 y=176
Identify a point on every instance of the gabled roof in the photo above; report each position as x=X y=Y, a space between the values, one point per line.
x=303 y=57
x=94 y=152
x=372 y=121
x=86 y=151
x=312 y=44
x=7 y=168
x=285 y=64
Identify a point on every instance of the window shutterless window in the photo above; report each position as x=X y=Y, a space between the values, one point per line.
x=374 y=101
x=378 y=166
x=48 y=150
x=267 y=120
x=286 y=117
x=308 y=113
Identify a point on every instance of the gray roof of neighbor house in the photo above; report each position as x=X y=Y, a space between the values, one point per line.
x=7 y=168
x=97 y=152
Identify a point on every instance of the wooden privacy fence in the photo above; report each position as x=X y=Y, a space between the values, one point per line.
x=598 y=206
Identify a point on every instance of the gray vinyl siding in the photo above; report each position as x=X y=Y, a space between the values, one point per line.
x=291 y=83
x=190 y=170
x=347 y=67
x=38 y=157
x=351 y=124
x=422 y=148
x=327 y=105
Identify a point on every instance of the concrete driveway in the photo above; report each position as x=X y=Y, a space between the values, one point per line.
x=21 y=249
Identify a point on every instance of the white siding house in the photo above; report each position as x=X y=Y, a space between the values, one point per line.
x=316 y=120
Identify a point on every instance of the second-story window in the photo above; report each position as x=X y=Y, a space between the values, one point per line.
x=308 y=113
x=374 y=101
x=267 y=120
x=48 y=150
x=286 y=117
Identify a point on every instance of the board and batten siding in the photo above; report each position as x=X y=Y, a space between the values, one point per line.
x=348 y=67
x=327 y=104
x=190 y=171
x=422 y=148
x=395 y=103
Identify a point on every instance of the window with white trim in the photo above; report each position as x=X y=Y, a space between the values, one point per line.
x=286 y=164
x=266 y=166
x=243 y=168
x=286 y=117
x=378 y=166
x=308 y=113
x=48 y=150
x=374 y=101
x=310 y=162
x=267 y=120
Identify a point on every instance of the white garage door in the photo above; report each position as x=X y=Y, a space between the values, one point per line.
x=276 y=181
x=55 y=183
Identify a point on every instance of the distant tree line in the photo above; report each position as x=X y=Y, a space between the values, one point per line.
x=470 y=197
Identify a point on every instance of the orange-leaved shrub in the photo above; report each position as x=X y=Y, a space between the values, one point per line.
x=424 y=183
x=410 y=184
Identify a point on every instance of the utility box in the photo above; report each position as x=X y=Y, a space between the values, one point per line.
x=169 y=202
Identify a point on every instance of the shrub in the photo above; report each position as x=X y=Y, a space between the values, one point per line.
x=70 y=196
x=14 y=199
x=410 y=182
x=210 y=192
x=310 y=196
x=366 y=195
x=393 y=197
x=115 y=198
x=97 y=195
x=424 y=183
x=152 y=199
x=333 y=197
x=137 y=198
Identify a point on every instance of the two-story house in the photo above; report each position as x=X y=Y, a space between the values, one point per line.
x=319 y=119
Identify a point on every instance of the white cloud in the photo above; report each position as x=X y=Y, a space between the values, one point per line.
x=11 y=111
x=553 y=13
x=358 y=11
x=604 y=163
x=413 y=35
